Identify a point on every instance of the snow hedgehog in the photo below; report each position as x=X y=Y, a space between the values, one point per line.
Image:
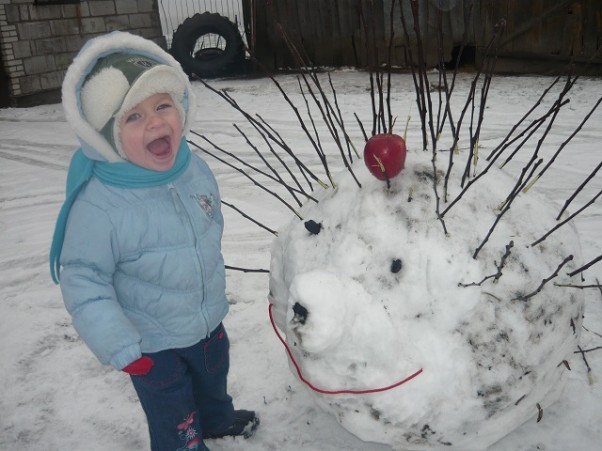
x=423 y=310
x=369 y=291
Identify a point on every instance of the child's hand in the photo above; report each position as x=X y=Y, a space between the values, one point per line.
x=139 y=367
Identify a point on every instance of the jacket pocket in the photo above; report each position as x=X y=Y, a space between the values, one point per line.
x=217 y=349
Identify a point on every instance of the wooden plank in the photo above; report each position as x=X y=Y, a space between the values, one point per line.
x=555 y=30
x=535 y=13
x=592 y=29
x=352 y=31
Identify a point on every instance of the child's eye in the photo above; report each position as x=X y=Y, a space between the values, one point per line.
x=132 y=117
x=164 y=105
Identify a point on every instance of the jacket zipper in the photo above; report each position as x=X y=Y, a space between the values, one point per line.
x=175 y=197
x=181 y=211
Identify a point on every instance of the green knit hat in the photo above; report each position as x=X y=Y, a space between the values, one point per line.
x=118 y=82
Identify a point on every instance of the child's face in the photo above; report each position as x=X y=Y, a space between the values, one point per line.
x=151 y=133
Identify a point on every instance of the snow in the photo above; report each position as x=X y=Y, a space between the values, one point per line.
x=55 y=395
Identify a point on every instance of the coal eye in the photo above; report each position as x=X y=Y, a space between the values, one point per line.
x=313 y=227
x=396 y=266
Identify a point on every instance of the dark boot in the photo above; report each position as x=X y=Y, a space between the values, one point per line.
x=244 y=424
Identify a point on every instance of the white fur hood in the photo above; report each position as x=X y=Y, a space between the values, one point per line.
x=94 y=145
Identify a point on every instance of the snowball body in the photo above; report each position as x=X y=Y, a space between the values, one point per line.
x=490 y=355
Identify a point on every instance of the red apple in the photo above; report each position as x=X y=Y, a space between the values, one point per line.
x=385 y=155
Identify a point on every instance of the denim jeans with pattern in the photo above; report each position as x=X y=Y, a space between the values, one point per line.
x=185 y=394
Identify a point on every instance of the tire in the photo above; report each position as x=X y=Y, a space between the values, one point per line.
x=208 y=45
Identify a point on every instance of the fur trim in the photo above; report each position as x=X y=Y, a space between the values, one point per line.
x=155 y=80
x=95 y=145
x=102 y=95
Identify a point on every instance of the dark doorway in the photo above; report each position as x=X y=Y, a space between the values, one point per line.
x=4 y=94
x=462 y=56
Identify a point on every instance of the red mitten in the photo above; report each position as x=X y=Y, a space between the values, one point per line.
x=139 y=367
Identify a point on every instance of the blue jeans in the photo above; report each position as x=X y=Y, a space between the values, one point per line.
x=185 y=394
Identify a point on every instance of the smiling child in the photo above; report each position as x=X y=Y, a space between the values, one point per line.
x=137 y=243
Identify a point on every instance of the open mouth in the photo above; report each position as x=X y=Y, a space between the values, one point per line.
x=160 y=147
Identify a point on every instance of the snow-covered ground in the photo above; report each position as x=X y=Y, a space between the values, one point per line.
x=54 y=395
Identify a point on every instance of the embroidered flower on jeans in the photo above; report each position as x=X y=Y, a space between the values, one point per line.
x=187 y=422
x=188 y=434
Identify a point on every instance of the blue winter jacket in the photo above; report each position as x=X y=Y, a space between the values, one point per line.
x=142 y=268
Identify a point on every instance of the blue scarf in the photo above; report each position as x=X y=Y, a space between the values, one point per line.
x=121 y=175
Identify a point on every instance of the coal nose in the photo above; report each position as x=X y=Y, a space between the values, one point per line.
x=300 y=313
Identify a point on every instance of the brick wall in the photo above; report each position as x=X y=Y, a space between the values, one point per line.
x=39 y=41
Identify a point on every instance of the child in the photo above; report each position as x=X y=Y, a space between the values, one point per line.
x=139 y=241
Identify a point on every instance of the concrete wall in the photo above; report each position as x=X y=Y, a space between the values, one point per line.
x=38 y=41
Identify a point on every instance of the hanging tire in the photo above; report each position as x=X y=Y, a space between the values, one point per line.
x=208 y=45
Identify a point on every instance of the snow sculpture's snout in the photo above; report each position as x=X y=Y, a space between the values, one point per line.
x=327 y=311
x=316 y=311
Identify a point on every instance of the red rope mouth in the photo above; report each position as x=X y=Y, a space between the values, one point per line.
x=332 y=392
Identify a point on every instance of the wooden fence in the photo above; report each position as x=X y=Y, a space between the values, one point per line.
x=540 y=35
x=544 y=34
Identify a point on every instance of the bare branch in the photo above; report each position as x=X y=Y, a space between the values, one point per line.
x=499 y=267
x=244 y=215
x=255 y=182
x=244 y=163
x=566 y=141
x=578 y=190
x=545 y=281
x=556 y=227
x=286 y=148
x=586 y=266
x=235 y=268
